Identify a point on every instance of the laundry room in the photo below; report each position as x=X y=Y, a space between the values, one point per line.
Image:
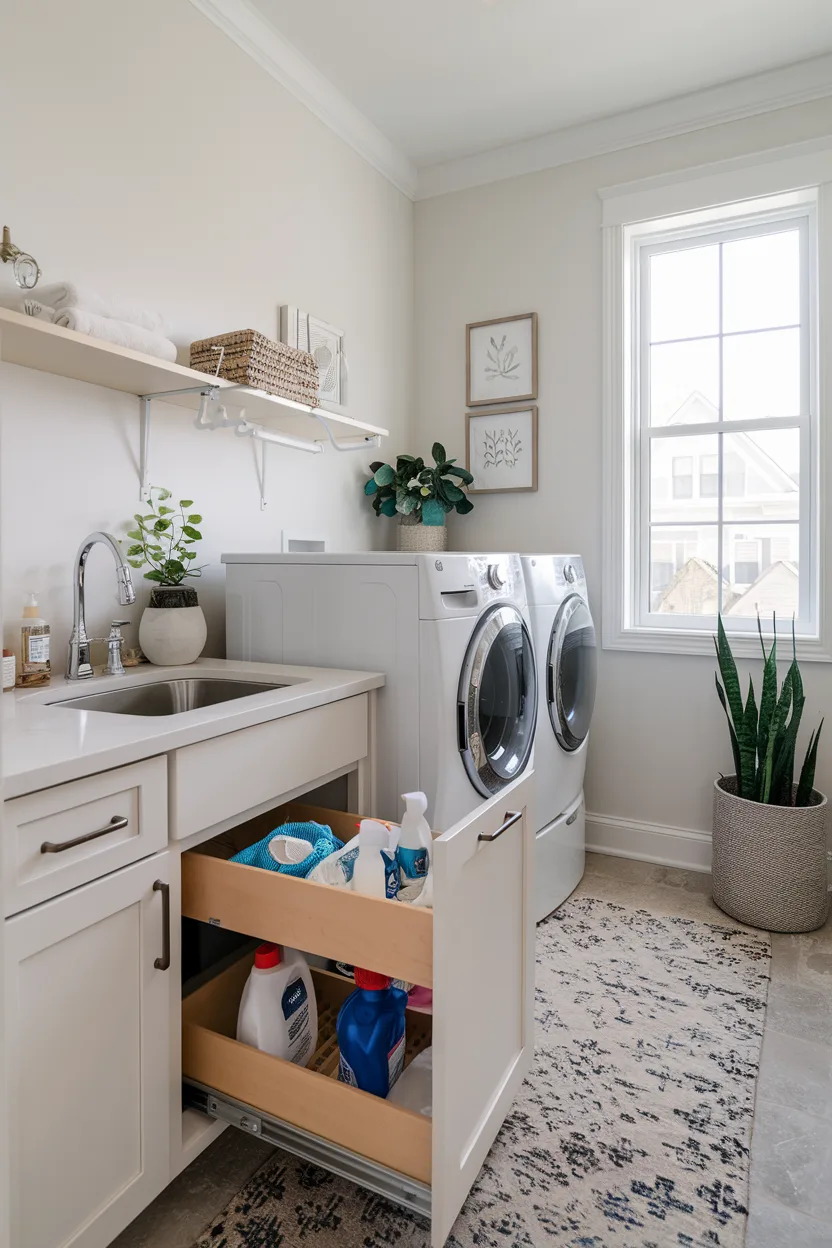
x=416 y=630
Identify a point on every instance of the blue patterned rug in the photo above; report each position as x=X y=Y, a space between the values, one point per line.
x=633 y=1128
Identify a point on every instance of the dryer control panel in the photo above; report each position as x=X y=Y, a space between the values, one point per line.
x=457 y=584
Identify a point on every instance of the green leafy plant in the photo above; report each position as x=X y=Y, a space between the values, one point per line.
x=764 y=738
x=414 y=488
x=164 y=538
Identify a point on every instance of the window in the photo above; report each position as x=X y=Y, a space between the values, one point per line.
x=683 y=476
x=713 y=453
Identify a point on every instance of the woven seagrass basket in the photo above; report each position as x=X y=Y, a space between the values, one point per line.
x=252 y=359
x=769 y=862
x=412 y=535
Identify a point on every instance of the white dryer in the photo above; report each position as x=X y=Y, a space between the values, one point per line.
x=565 y=650
x=457 y=715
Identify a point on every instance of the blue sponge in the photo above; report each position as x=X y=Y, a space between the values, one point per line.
x=318 y=834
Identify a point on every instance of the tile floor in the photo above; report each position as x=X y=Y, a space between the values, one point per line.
x=791 y=1150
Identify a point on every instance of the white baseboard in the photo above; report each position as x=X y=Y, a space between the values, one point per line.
x=649 y=842
x=654 y=842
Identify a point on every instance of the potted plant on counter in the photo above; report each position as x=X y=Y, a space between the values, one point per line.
x=769 y=832
x=172 y=629
x=421 y=495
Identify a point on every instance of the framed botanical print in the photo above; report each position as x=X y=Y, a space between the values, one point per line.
x=325 y=343
x=501 y=360
x=501 y=449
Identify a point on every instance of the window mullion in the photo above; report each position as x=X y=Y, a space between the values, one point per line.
x=720 y=463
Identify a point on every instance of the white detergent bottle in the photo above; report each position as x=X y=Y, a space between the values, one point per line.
x=369 y=874
x=413 y=852
x=278 y=1011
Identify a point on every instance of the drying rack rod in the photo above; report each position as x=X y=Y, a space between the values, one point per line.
x=213 y=415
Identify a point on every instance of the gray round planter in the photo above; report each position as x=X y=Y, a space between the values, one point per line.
x=769 y=862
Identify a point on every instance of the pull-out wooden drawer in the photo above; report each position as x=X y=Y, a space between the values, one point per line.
x=60 y=838
x=479 y=934
x=308 y=1097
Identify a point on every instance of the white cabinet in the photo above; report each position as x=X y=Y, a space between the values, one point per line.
x=88 y=1019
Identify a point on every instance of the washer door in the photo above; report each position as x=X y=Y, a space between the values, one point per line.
x=497 y=701
x=572 y=672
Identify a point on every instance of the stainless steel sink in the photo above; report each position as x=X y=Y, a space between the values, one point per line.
x=167 y=697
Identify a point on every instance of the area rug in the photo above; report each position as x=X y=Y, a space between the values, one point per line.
x=633 y=1128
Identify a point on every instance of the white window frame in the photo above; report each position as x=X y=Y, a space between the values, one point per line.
x=795 y=184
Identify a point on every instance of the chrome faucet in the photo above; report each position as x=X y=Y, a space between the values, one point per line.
x=78 y=665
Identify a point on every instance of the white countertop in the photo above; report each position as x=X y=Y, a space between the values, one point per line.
x=45 y=745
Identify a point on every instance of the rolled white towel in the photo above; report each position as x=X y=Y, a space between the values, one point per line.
x=119 y=332
x=62 y=295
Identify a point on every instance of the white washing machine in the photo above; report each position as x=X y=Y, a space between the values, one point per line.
x=457 y=715
x=565 y=649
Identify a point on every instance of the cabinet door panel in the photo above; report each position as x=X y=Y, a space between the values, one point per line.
x=88 y=1018
x=483 y=990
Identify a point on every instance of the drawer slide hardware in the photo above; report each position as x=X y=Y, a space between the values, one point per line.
x=512 y=817
x=57 y=847
x=396 y=1187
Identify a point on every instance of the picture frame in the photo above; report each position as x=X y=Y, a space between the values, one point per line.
x=501 y=449
x=325 y=343
x=501 y=360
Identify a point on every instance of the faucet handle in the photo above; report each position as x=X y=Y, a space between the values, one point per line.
x=115 y=666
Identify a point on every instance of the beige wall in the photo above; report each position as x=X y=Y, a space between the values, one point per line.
x=534 y=244
x=145 y=154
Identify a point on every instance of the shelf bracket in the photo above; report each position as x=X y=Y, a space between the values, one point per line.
x=258 y=446
x=145 y=402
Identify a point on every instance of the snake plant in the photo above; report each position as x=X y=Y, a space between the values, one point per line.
x=763 y=739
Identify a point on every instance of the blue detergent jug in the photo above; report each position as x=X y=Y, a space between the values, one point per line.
x=371 y=1034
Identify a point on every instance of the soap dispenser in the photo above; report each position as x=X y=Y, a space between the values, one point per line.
x=35 y=667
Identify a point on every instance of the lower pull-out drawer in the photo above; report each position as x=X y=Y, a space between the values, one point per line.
x=475 y=949
x=307 y=1097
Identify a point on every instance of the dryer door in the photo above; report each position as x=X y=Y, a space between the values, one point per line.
x=571 y=672
x=497 y=701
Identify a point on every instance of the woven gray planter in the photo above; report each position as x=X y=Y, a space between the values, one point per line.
x=411 y=534
x=769 y=862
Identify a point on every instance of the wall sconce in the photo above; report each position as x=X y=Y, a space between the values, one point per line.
x=26 y=271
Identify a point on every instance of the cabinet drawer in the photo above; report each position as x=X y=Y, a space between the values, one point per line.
x=69 y=835
x=307 y=1097
x=214 y=780
x=385 y=936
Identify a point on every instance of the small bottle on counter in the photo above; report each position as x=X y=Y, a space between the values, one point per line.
x=8 y=669
x=35 y=667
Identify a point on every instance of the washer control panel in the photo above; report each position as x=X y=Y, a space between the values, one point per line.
x=496 y=576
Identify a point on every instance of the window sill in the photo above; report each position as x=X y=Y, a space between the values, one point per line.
x=683 y=641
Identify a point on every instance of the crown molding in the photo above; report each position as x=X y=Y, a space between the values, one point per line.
x=259 y=39
x=746 y=97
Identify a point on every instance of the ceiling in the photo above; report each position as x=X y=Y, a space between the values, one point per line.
x=444 y=79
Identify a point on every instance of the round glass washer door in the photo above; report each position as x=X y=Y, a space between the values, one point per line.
x=497 y=700
x=572 y=672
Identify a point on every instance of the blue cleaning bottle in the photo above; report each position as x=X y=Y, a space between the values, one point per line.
x=371 y=1034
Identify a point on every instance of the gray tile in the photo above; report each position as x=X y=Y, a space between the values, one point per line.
x=198 y=1194
x=806 y=959
x=771 y=1225
x=796 y=1073
x=650 y=873
x=791 y=1159
x=796 y=1009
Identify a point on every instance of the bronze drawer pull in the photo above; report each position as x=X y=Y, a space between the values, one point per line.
x=57 y=847
x=512 y=817
x=163 y=963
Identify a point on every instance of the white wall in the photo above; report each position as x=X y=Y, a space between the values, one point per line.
x=145 y=154
x=534 y=244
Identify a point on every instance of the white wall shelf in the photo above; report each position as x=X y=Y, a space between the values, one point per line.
x=52 y=349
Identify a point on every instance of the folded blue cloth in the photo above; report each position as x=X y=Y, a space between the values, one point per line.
x=319 y=836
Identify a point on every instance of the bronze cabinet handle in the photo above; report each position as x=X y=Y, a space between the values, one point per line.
x=57 y=847
x=512 y=817
x=163 y=963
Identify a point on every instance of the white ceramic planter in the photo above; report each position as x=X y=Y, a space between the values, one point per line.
x=175 y=633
